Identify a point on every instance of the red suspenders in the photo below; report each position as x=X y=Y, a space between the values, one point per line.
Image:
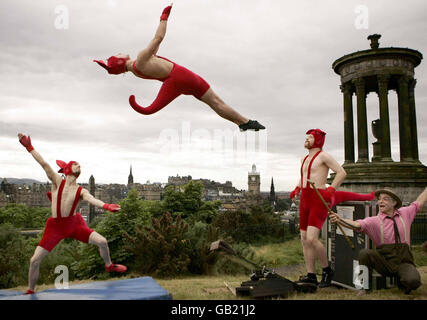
x=309 y=168
x=76 y=201
x=58 y=200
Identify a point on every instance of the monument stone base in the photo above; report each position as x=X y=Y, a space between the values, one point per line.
x=408 y=180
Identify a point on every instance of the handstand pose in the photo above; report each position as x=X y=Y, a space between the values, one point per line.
x=64 y=222
x=176 y=80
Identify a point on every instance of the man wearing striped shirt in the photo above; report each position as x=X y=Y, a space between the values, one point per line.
x=390 y=232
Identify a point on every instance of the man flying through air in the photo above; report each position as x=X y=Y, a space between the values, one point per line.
x=176 y=80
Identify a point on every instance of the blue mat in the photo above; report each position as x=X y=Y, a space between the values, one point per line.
x=144 y=288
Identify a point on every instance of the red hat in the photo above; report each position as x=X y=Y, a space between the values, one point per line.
x=319 y=137
x=114 y=65
x=66 y=167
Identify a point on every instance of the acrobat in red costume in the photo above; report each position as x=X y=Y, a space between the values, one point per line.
x=176 y=80
x=65 y=222
x=310 y=202
x=315 y=167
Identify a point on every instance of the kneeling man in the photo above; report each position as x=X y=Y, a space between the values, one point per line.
x=390 y=232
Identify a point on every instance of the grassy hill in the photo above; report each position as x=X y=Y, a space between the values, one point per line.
x=287 y=258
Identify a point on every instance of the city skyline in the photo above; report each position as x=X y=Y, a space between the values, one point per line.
x=270 y=60
x=12 y=181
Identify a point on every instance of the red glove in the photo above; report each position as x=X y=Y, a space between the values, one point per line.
x=26 y=142
x=295 y=192
x=111 y=207
x=329 y=194
x=165 y=14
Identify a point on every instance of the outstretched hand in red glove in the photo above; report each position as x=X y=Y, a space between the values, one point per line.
x=166 y=12
x=111 y=207
x=295 y=193
x=25 y=141
x=330 y=194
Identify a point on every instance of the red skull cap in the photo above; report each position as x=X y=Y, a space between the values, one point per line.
x=114 y=65
x=319 y=137
x=65 y=167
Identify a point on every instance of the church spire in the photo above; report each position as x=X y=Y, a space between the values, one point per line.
x=130 y=178
x=272 y=194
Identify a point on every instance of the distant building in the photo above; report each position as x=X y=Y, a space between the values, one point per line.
x=272 y=197
x=231 y=197
x=130 y=178
x=32 y=195
x=92 y=190
x=149 y=191
x=254 y=182
x=179 y=180
x=212 y=190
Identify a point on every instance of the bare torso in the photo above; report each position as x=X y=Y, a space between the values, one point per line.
x=67 y=198
x=153 y=67
x=319 y=171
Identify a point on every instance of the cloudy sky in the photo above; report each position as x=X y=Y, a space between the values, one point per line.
x=268 y=59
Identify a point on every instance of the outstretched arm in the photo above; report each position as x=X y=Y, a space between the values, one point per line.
x=154 y=44
x=98 y=203
x=350 y=224
x=51 y=174
x=422 y=198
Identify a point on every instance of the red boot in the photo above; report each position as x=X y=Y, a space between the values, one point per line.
x=29 y=292
x=115 y=268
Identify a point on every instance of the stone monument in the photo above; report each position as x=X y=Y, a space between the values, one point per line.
x=380 y=70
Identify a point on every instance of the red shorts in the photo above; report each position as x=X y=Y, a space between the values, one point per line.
x=312 y=212
x=184 y=81
x=70 y=227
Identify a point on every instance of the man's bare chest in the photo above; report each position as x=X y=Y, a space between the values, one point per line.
x=311 y=166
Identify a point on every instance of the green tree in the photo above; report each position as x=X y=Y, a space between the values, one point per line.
x=189 y=203
x=203 y=260
x=207 y=212
x=255 y=223
x=283 y=204
x=113 y=227
x=173 y=201
x=14 y=257
x=192 y=198
x=160 y=249
x=22 y=216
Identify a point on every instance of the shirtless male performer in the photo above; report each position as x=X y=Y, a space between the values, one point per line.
x=176 y=80
x=313 y=213
x=64 y=222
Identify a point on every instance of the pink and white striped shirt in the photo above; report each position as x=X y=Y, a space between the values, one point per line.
x=381 y=230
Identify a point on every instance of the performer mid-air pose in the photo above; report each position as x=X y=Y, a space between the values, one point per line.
x=176 y=80
x=64 y=222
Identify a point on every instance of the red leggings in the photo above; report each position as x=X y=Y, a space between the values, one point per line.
x=312 y=212
x=57 y=229
x=180 y=81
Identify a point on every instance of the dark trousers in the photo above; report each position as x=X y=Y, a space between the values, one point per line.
x=408 y=276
